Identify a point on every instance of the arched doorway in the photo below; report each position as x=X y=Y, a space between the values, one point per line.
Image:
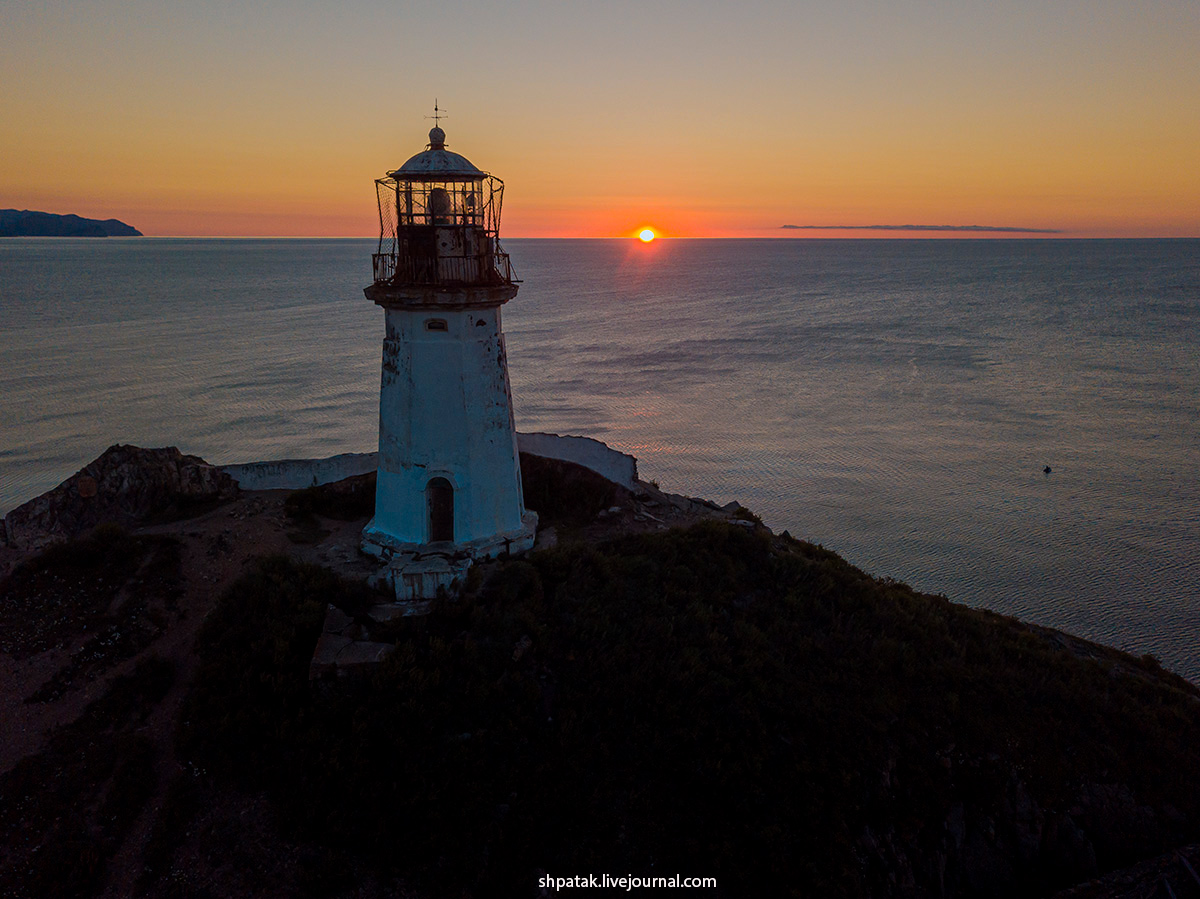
x=439 y=501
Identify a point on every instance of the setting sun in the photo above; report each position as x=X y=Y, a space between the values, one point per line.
x=646 y=236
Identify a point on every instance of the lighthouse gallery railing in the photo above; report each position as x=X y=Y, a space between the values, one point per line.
x=445 y=271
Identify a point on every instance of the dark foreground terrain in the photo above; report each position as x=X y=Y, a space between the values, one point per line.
x=706 y=699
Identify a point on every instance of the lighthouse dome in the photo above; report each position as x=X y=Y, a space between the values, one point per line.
x=437 y=163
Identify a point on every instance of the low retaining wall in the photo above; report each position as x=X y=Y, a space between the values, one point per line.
x=295 y=474
x=618 y=467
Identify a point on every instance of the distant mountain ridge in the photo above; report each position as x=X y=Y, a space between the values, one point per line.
x=28 y=223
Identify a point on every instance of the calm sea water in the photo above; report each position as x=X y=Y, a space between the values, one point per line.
x=893 y=400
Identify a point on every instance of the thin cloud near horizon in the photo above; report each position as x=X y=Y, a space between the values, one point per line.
x=1002 y=228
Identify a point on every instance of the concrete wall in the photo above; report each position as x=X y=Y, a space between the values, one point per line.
x=294 y=474
x=618 y=467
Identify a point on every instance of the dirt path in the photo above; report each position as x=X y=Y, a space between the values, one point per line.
x=216 y=548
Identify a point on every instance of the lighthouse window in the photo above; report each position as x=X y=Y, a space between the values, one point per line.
x=436 y=324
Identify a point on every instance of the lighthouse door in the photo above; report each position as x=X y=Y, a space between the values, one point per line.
x=439 y=500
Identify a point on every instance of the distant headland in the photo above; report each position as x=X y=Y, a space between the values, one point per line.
x=1004 y=229
x=28 y=223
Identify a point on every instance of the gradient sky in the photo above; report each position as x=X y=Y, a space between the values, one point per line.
x=697 y=118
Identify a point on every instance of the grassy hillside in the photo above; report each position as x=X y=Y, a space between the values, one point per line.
x=714 y=701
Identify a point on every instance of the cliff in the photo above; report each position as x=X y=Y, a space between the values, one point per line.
x=27 y=223
x=672 y=688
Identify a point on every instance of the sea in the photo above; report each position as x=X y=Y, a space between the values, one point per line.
x=1014 y=424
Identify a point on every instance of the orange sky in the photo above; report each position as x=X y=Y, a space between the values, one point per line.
x=697 y=119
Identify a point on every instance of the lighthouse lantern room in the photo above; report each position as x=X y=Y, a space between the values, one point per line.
x=449 y=479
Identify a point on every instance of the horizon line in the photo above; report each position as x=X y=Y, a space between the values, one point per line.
x=966 y=228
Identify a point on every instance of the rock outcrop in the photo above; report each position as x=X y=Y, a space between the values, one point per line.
x=126 y=485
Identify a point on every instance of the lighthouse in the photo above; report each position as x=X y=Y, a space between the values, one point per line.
x=449 y=478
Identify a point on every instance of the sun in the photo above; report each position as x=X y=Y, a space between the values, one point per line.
x=646 y=236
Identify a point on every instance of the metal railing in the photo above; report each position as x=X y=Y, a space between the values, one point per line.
x=483 y=269
x=383 y=267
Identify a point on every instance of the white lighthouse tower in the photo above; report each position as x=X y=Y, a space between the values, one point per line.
x=449 y=477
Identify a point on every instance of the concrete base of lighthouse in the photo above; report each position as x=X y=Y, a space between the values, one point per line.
x=417 y=572
x=383 y=545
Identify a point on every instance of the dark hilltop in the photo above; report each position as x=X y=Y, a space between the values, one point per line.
x=29 y=223
x=661 y=687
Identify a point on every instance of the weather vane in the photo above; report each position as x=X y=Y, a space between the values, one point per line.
x=437 y=114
